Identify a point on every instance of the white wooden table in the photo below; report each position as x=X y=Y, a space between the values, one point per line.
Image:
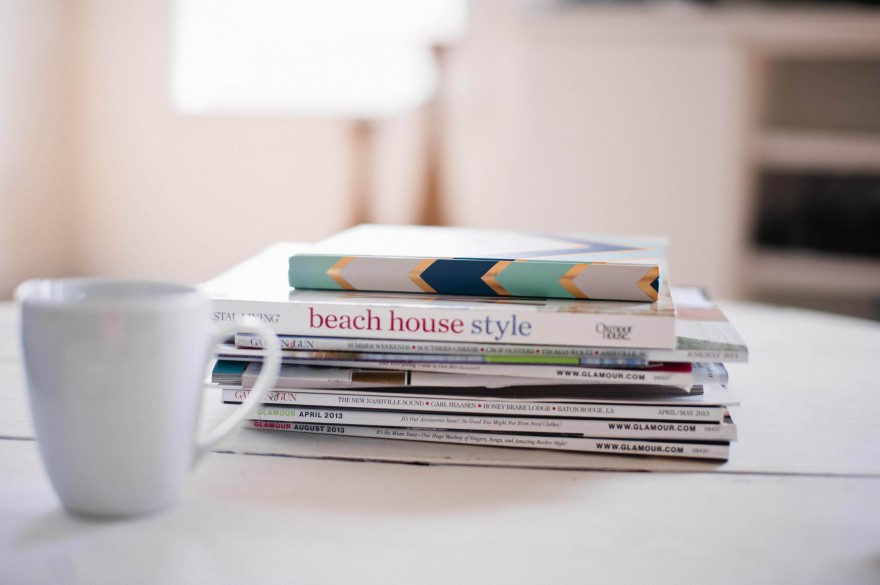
x=798 y=502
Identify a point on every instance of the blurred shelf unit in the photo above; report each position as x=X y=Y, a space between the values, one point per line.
x=685 y=111
x=816 y=200
x=844 y=151
x=776 y=29
x=810 y=273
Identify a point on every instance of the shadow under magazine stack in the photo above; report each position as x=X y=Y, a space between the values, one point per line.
x=379 y=352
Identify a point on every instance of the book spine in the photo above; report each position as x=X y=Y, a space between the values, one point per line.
x=494 y=323
x=717 y=451
x=623 y=429
x=698 y=355
x=466 y=405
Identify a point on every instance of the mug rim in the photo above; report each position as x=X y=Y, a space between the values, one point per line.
x=100 y=293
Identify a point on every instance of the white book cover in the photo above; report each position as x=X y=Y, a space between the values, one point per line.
x=702 y=334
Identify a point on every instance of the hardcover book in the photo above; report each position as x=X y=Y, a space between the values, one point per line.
x=479 y=262
x=259 y=287
x=702 y=334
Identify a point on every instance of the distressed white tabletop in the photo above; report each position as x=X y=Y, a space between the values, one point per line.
x=799 y=500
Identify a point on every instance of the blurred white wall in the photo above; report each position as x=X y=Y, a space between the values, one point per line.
x=182 y=197
x=38 y=205
x=547 y=128
x=101 y=176
x=605 y=121
x=555 y=116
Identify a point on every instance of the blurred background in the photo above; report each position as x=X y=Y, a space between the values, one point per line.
x=174 y=138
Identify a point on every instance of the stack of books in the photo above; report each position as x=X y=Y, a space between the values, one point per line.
x=484 y=338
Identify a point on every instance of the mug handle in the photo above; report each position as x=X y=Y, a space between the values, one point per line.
x=265 y=381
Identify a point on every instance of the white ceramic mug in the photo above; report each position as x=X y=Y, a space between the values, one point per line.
x=115 y=373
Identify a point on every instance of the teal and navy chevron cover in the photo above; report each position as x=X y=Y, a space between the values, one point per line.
x=488 y=263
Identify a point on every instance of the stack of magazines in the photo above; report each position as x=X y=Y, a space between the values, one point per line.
x=482 y=337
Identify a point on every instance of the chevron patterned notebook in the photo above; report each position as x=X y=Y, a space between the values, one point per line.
x=479 y=262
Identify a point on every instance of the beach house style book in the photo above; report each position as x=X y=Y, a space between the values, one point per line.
x=481 y=262
x=259 y=287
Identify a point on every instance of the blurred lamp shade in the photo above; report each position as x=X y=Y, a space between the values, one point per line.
x=331 y=58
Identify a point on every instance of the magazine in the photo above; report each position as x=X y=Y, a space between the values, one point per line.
x=710 y=405
x=700 y=450
x=586 y=427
